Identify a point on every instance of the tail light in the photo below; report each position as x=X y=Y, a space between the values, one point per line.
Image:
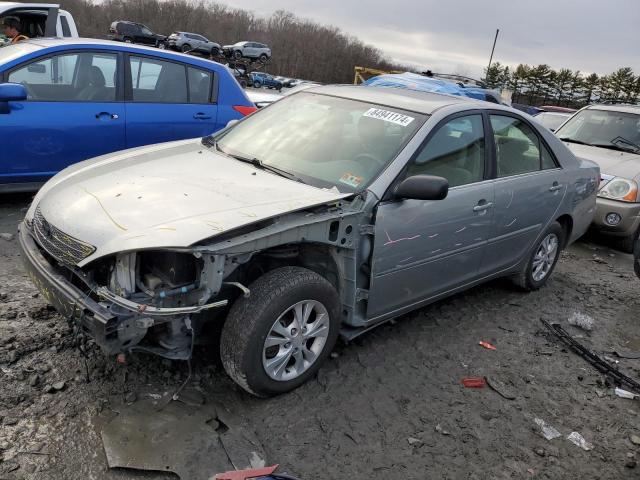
x=244 y=110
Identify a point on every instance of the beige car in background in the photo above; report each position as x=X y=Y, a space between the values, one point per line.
x=609 y=135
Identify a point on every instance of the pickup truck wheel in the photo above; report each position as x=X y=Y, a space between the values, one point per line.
x=543 y=259
x=186 y=48
x=279 y=336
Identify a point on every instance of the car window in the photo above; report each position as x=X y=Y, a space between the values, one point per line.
x=72 y=77
x=146 y=31
x=326 y=141
x=157 y=81
x=518 y=148
x=199 y=85
x=603 y=128
x=455 y=152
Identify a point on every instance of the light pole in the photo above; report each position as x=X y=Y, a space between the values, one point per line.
x=492 y=49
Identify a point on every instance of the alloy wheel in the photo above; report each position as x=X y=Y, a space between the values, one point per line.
x=545 y=257
x=295 y=341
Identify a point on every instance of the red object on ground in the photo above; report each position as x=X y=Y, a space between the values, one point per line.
x=121 y=358
x=245 y=474
x=487 y=345
x=474 y=382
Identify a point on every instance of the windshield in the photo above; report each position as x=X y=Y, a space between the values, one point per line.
x=603 y=128
x=323 y=141
x=551 y=120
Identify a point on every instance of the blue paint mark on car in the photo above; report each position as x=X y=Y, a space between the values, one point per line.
x=64 y=101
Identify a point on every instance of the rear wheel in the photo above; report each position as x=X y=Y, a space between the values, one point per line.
x=127 y=40
x=215 y=51
x=279 y=336
x=161 y=45
x=237 y=54
x=543 y=259
x=263 y=58
x=257 y=84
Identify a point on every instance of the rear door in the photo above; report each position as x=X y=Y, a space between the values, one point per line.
x=168 y=100
x=529 y=190
x=74 y=111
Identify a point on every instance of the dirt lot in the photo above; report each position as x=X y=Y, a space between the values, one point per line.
x=390 y=405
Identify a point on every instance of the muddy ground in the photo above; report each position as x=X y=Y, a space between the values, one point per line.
x=389 y=406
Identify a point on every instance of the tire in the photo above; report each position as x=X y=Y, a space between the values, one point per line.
x=263 y=58
x=243 y=351
x=531 y=279
x=636 y=258
x=161 y=46
x=626 y=244
x=186 y=48
x=237 y=54
x=127 y=40
x=257 y=84
x=243 y=83
x=215 y=51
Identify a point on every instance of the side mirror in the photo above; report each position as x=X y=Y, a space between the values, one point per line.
x=11 y=92
x=423 y=187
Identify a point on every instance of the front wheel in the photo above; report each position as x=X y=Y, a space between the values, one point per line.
x=263 y=58
x=161 y=45
x=279 y=336
x=543 y=259
x=237 y=54
x=186 y=48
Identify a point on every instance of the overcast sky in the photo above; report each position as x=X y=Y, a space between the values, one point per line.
x=456 y=36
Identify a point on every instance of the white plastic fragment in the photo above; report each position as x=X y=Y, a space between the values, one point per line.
x=625 y=394
x=577 y=439
x=581 y=320
x=547 y=430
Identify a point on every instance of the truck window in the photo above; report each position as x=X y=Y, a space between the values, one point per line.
x=66 y=31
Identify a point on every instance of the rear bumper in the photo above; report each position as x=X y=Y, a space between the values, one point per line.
x=68 y=300
x=630 y=213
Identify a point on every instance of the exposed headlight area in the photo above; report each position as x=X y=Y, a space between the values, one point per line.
x=618 y=188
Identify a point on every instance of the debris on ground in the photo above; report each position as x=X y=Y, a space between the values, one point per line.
x=414 y=441
x=249 y=473
x=6 y=236
x=577 y=439
x=625 y=394
x=548 y=431
x=601 y=365
x=486 y=345
x=501 y=388
x=474 y=382
x=441 y=430
x=628 y=354
x=635 y=439
x=581 y=320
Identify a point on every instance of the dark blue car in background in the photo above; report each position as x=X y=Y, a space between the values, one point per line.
x=63 y=101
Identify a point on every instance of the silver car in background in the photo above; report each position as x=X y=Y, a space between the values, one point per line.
x=251 y=50
x=325 y=214
x=192 y=42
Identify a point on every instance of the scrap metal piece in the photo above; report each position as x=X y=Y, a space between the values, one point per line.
x=601 y=365
x=246 y=474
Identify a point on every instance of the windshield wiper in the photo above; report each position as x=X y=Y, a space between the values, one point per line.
x=259 y=163
x=631 y=147
x=573 y=140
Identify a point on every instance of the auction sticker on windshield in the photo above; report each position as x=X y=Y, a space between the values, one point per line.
x=351 y=180
x=388 y=116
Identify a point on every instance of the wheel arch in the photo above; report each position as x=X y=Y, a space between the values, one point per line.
x=566 y=222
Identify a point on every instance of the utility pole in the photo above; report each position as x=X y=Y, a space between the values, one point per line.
x=492 y=49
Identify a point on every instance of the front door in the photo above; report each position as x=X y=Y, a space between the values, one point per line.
x=424 y=248
x=73 y=112
x=529 y=190
x=161 y=107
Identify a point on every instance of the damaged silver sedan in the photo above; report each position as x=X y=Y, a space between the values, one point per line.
x=325 y=214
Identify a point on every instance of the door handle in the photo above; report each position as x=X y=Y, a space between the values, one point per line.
x=201 y=116
x=482 y=206
x=112 y=116
x=555 y=187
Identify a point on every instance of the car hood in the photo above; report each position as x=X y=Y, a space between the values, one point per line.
x=170 y=195
x=611 y=162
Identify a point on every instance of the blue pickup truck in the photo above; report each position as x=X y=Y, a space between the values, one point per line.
x=64 y=101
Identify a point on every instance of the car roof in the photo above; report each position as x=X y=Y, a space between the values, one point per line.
x=70 y=43
x=420 y=102
x=625 y=108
